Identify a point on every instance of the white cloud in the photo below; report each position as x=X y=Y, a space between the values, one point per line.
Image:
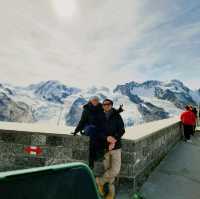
x=66 y=9
x=90 y=42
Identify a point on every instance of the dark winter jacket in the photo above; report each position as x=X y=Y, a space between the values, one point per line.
x=92 y=115
x=114 y=126
x=194 y=110
x=92 y=122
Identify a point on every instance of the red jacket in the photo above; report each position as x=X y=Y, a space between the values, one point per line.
x=188 y=118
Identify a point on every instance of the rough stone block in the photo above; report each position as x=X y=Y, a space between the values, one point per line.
x=54 y=141
x=29 y=161
x=80 y=154
x=128 y=157
x=23 y=139
x=59 y=152
x=68 y=141
x=128 y=146
x=127 y=171
x=8 y=137
x=38 y=140
x=80 y=142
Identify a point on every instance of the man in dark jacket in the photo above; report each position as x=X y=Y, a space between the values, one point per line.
x=114 y=127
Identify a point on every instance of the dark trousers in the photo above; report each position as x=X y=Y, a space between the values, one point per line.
x=97 y=144
x=188 y=131
x=91 y=155
x=194 y=129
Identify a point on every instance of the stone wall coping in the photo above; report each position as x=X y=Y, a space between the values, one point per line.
x=140 y=132
x=135 y=133
x=35 y=128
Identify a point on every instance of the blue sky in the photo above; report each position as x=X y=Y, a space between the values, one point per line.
x=107 y=42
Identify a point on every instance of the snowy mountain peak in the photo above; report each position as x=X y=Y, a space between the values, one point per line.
x=144 y=88
x=53 y=91
x=174 y=91
x=177 y=86
x=151 y=83
x=75 y=111
x=132 y=84
x=7 y=90
x=176 y=81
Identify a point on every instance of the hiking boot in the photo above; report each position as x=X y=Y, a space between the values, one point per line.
x=100 y=186
x=106 y=189
x=111 y=193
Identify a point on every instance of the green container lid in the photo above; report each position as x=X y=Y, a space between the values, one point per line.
x=66 y=181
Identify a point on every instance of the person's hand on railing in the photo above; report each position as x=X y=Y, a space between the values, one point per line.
x=74 y=133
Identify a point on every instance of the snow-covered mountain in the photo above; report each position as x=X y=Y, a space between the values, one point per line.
x=75 y=111
x=149 y=111
x=11 y=109
x=54 y=102
x=174 y=91
x=53 y=91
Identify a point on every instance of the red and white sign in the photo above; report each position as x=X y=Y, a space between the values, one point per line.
x=33 y=150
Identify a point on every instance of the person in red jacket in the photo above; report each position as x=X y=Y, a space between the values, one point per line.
x=188 y=120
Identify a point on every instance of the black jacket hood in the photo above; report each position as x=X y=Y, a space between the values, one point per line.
x=89 y=106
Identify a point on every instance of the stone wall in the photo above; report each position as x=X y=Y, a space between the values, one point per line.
x=56 y=149
x=139 y=156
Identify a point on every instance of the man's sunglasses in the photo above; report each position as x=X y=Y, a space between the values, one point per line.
x=107 y=104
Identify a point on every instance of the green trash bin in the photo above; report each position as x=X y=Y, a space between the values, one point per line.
x=66 y=181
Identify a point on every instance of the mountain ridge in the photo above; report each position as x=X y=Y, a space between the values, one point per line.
x=50 y=101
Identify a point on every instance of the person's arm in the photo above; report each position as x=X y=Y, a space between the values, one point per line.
x=120 y=109
x=121 y=129
x=81 y=123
